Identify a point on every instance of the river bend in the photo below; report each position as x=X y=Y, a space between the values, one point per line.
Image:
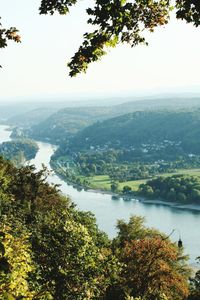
x=107 y=210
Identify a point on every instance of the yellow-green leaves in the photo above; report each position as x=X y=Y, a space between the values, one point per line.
x=15 y=265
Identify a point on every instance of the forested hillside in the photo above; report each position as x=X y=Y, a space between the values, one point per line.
x=20 y=109
x=19 y=150
x=50 y=250
x=177 y=188
x=135 y=146
x=148 y=131
x=31 y=117
x=65 y=123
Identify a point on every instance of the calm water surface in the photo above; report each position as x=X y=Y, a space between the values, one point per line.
x=108 y=211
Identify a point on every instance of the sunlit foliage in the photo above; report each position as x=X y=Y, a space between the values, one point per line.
x=120 y=21
x=15 y=263
x=50 y=250
x=116 y=21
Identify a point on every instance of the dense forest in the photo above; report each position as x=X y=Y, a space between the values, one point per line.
x=50 y=250
x=19 y=150
x=149 y=131
x=176 y=188
x=67 y=122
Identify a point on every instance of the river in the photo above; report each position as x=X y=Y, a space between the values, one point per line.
x=107 y=210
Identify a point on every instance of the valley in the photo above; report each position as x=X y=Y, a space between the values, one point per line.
x=110 y=192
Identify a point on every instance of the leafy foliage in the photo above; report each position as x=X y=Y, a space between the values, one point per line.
x=179 y=188
x=195 y=286
x=7 y=34
x=19 y=150
x=15 y=264
x=61 y=6
x=120 y=22
x=71 y=257
x=50 y=250
x=189 y=10
x=152 y=268
x=151 y=263
x=116 y=21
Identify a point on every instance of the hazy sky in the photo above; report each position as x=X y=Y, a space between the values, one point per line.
x=37 y=67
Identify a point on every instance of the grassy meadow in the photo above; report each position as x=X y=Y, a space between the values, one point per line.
x=103 y=182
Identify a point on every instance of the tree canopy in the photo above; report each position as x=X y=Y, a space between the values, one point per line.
x=51 y=250
x=116 y=21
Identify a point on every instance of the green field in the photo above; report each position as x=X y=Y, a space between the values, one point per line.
x=99 y=182
x=134 y=184
x=103 y=182
x=192 y=172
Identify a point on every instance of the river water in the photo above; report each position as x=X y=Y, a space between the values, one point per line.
x=107 y=210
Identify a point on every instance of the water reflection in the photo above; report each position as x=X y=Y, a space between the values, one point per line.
x=115 y=197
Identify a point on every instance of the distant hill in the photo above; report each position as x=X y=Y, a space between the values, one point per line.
x=180 y=128
x=32 y=117
x=13 y=109
x=9 y=110
x=67 y=122
x=171 y=103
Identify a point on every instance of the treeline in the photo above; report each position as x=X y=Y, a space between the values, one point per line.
x=110 y=162
x=139 y=145
x=19 y=150
x=177 y=188
x=155 y=133
x=66 y=122
x=50 y=250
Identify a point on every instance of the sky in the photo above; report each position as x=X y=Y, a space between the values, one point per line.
x=37 y=68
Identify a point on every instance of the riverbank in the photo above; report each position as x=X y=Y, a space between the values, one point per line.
x=148 y=201
x=132 y=196
x=107 y=209
x=171 y=204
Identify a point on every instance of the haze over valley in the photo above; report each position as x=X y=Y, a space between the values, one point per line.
x=99 y=150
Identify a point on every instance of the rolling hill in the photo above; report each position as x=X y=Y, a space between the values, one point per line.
x=143 y=129
x=65 y=123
